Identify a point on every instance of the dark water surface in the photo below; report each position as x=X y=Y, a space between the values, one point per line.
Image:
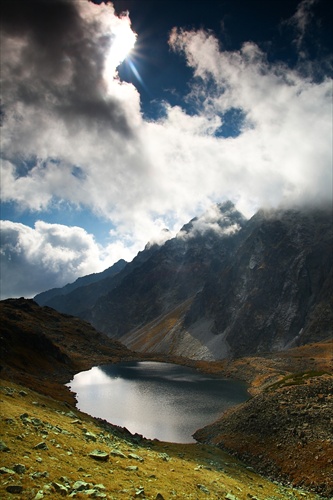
x=158 y=400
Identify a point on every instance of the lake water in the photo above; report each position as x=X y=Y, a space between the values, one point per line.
x=158 y=400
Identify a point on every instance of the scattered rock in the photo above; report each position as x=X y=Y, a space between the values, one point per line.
x=14 y=488
x=39 y=495
x=23 y=393
x=203 y=488
x=99 y=486
x=139 y=491
x=3 y=446
x=60 y=488
x=99 y=455
x=230 y=496
x=117 y=453
x=9 y=391
x=71 y=414
x=19 y=468
x=64 y=479
x=41 y=446
x=80 y=486
x=90 y=436
x=5 y=470
x=94 y=493
x=135 y=457
x=132 y=468
x=36 y=422
x=37 y=475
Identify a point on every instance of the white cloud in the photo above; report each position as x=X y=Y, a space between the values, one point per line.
x=84 y=140
x=301 y=20
x=47 y=256
x=283 y=154
x=223 y=223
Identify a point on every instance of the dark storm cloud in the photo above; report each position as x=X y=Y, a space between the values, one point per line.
x=58 y=62
x=49 y=25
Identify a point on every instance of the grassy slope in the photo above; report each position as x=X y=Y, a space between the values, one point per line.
x=172 y=470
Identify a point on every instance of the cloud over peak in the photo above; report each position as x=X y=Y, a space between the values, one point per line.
x=74 y=133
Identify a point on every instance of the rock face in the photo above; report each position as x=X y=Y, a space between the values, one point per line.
x=224 y=286
x=274 y=291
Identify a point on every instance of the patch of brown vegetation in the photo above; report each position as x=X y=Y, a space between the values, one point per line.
x=285 y=430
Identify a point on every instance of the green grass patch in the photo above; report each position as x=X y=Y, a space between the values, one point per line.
x=295 y=379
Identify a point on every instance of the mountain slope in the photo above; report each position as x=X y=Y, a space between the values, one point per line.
x=45 y=297
x=77 y=298
x=223 y=287
x=48 y=447
x=275 y=292
x=38 y=344
x=266 y=287
x=172 y=276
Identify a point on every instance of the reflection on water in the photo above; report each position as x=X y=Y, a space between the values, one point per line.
x=158 y=400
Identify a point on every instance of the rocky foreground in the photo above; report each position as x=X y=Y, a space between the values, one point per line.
x=286 y=434
x=49 y=449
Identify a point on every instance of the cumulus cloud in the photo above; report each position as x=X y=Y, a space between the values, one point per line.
x=32 y=258
x=283 y=152
x=73 y=132
x=221 y=219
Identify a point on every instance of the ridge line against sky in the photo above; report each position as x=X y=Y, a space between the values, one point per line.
x=100 y=152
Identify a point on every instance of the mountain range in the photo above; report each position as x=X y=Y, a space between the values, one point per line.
x=223 y=287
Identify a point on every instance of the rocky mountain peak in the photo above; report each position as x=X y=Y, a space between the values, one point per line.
x=222 y=218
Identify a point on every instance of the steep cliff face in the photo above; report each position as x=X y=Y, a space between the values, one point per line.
x=274 y=291
x=172 y=276
x=223 y=287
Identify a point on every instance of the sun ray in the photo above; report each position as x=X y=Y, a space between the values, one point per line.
x=137 y=75
x=123 y=41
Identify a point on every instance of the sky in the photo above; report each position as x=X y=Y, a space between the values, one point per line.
x=121 y=119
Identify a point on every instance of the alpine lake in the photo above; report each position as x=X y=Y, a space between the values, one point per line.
x=158 y=400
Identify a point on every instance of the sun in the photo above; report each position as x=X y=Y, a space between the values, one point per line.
x=122 y=42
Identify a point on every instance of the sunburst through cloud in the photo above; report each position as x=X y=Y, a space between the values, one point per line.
x=124 y=118
x=122 y=42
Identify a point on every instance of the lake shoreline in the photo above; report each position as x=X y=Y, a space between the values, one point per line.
x=184 y=398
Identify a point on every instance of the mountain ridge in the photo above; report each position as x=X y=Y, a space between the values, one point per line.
x=224 y=286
